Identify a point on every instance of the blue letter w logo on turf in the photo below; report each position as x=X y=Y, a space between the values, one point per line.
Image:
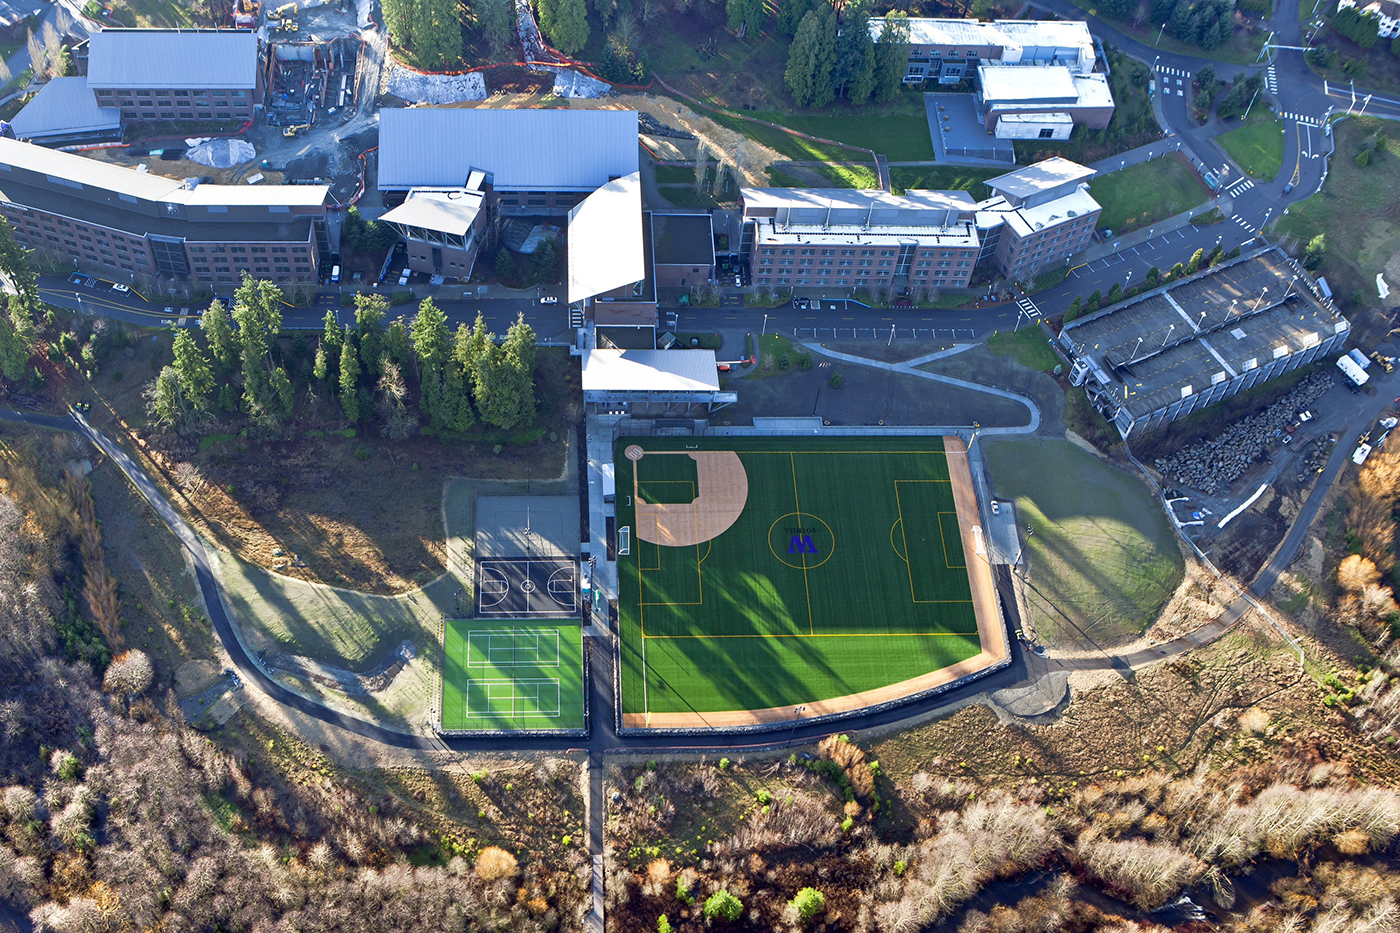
x=802 y=544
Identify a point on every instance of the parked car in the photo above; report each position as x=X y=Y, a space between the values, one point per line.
x=549 y=300
x=119 y=288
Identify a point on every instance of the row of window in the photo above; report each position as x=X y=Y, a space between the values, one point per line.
x=955 y=281
x=793 y=251
x=245 y=249
x=165 y=95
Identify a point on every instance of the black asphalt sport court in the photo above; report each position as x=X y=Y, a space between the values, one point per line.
x=526 y=587
x=845 y=572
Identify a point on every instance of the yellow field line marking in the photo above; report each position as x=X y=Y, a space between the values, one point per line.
x=827 y=634
x=947 y=562
x=811 y=625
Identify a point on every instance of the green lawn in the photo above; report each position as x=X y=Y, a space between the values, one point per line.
x=506 y=676
x=896 y=131
x=1141 y=195
x=843 y=572
x=840 y=176
x=675 y=175
x=943 y=178
x=1102 y=552
x=1257 y=146
x=1355 y=209
x=1026 y=346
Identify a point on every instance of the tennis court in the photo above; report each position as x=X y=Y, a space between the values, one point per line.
x=831 y=572
x=500 y=676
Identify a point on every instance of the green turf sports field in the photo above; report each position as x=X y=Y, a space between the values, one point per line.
x=755 y=618
x=501 y=676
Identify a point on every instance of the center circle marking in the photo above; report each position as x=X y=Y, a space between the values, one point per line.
x=820 y=533
x=527 y=586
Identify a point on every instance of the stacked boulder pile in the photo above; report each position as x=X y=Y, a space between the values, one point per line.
x=1212 y=465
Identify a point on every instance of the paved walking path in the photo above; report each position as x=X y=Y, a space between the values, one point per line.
x=910 y=368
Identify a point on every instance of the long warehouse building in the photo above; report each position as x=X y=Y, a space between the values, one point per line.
x=1179 y=348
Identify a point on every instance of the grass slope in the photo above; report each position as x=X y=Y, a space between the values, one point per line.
x=743 y=622
x=1257 y=146
x=1027 y=346
x=942 y=178
x=503 y=676
x=1102 y=552
x=1356 y=210
x=1143 y=194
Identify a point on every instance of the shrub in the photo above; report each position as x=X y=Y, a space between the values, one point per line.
x=809 y=902
x=683 y=890
x=663 y=925
x=846 y=824
x=834 y=381
x=899 y=868
x=1317 y=248
x=495 y=863
x=1363 y=158
x=764 y=797
x=723 y=906
x=361 y=453
x=724 y=764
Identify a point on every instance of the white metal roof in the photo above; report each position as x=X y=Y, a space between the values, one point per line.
x=605 y=239
x=63 y=107
x=445 y=211
x=1040 y=176
x=650 y=371
x=540 y=150
x=173 y=58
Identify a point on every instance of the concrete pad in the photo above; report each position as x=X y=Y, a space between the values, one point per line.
x=959 y=137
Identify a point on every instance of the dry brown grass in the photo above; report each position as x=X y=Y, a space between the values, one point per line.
x=495 y=863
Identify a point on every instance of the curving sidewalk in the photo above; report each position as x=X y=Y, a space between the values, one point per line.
x=910 y=368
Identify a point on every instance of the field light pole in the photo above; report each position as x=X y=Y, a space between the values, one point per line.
x=1133 y=355
x=797 y=716
x=1168 y=337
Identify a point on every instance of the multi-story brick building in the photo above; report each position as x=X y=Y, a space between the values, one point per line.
x=176 y=74
x=858 y=239
x=120 y=223
x=1038 y=216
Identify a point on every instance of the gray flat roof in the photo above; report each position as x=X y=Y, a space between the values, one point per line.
x=863 y=198
x=683 y=239
x=540 y=150
x=173 y=58
x=64 y=107
x=1177 y=342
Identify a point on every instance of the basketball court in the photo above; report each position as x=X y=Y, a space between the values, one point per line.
x=766 y=572
x=526 y=557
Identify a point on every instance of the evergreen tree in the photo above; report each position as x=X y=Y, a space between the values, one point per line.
x=824 y=69
x=1216 y=255
x=396 y=344
x=546 y=10
x=432 y=347
x=196 y=376
x=14 y=262
x=790 y=14
x=350 y=380
x=437 y=33
x=169 y=404
x=398 y=19
x=1194 y=263
x=14 y=353
x=369 y=330
x=569 y=31
x=331 y=339
x=1115 y=294
x=497 y=20
x=800 y=75
x=470 y=349
x=1154 y=275
x=751 y=12
x=258 y=313
x=855 y=53
x=219 y=332
x=320 y=368
x=891 y=56
x=519 y=350
x=457 y=414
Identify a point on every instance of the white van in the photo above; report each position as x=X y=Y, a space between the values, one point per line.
x=335 y=274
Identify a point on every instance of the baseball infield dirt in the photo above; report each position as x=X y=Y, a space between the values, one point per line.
x=722 y=489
